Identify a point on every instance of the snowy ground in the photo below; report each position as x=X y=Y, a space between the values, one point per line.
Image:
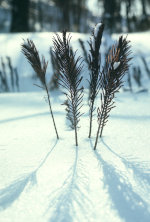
x=45 y=180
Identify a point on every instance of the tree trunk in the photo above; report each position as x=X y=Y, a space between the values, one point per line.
x=144 y=7
x=20 y=16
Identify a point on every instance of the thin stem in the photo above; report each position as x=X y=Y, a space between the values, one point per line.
x=103 y=110
x=51 y=110
x=75 y=124
x=101 y=131
x=97 y=136
x=104 y=114
x=76 y=137
x=91 y=120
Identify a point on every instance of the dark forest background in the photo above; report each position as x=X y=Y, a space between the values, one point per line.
x=73 y=15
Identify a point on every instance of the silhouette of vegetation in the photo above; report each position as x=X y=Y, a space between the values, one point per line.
x=94 y=66
x=9 y=78
x=54 y=80
x=116 y=65
x=40 y=67
x=146 y=66
x=69 y=71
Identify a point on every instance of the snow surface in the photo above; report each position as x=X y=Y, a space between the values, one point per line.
x=47 y=180
x=43 y=179
x=116 y=64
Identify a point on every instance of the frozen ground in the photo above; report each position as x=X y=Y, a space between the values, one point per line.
x=45 y=180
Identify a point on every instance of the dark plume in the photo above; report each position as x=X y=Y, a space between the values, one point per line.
x=85 y=52
x=94 y=66
x=54 y=80
x=40 y=67
x=32 y=55
x=69 y=68
x=116 y=65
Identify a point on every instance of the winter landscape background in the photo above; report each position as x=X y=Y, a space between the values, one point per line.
x=44 y=179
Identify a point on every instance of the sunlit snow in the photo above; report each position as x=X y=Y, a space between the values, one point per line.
x=43 y=179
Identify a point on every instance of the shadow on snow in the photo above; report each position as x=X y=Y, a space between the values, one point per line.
x=141 y=170
x=68 y=195
x=28 y=116
x=12 y=192
x=130 y=205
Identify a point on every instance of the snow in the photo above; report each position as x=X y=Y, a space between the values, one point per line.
x=43 y=179
x=96 y=29
x=116 y=65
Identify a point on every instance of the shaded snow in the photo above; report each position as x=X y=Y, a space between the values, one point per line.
x=43 y=179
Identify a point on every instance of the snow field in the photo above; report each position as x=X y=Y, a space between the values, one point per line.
x=43 y=179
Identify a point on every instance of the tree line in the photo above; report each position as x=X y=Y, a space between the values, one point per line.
x=74 y=15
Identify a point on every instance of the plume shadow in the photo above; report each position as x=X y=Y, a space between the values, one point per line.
x=63 y=202
x=28 y=117
x=13 y=191
x=67 y=195
x=23 y=117
x=129 y=204
x=141 y=170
